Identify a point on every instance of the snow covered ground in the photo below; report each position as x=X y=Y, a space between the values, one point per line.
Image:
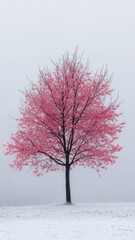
x=101 y=221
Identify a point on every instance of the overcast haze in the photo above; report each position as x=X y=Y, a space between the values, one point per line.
x=32 y=32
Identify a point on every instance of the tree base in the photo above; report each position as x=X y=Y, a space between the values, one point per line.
x=68 y=203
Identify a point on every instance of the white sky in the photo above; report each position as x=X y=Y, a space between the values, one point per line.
x=31 y=33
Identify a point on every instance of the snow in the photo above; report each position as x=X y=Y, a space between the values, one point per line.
x=93 y=221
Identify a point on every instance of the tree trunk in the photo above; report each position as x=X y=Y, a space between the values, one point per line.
x=68 y=193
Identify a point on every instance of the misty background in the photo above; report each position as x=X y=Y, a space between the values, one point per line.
x=32 y=32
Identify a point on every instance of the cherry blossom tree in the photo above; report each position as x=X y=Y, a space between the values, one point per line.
x=68 y=119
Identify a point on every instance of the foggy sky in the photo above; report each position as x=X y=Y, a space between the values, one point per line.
x=32 y=32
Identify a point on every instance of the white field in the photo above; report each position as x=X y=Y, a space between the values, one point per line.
x=94 y=221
